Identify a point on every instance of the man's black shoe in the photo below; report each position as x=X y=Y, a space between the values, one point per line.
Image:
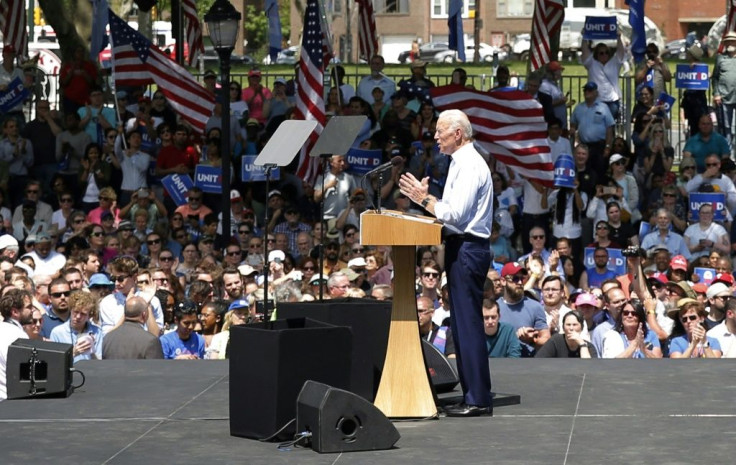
x=465 y=410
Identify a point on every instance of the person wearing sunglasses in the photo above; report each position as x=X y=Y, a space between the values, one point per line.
x=58 y=310
x=526 y=315
x=689 y=336
x=33 y=329
x=604 y=67
x=429 y=281
x=631 y=337
x=713 y=175
x=124 y=272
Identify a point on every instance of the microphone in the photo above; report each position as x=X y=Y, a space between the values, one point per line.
x=386 y=166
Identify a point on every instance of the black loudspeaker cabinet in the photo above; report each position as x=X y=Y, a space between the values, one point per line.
x=441 y=373
x=269 y=363
x=370 y=321
x=39 y=369
x=341 y=421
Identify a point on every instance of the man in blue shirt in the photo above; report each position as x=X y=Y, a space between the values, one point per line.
x=184 y=343
x=78 y=331
x=704 y=143
x=592 y=121
x=525 y=315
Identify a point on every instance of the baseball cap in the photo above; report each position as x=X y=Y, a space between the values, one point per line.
x=317 y=278
x=274 y=192
x=553 y=66
x=726 y=278
x=590 y=85
x=125 y=226
x=357 y=262
x=101 y=280
x=240 y=303
x=279 y=81
x=717 y=290
x=277 y=256
x=43 y=237
x=678 y=262
x=427 y=135
x=352 y=275
x=6 y=241
x=246 y=270
x=659 y=277
x=587 y=298
x=511 y=268
x=235 y=196
x=254 y=72
x=210 y=74
x=615 y=157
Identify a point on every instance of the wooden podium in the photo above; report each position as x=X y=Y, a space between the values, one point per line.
x=404 y=390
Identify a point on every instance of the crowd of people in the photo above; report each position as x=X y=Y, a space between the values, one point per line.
x=109 y=262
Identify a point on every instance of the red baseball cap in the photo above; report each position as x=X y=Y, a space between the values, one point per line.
x=678 y=262
x=511 y=268
x=726 y=278
x=660 y=277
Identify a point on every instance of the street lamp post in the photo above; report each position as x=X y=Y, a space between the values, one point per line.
x=223 y=22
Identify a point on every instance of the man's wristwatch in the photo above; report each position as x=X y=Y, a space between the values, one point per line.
x=425 y=202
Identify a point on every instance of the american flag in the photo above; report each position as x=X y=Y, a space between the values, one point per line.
x=310 y=103
x=137 y=62
x=548 y=16
x=13 y=25
x=509 y=124
x=367 y=29
x=194 y=30
x=730 y=23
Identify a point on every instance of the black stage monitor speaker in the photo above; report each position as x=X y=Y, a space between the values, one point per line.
x=441 y=374
x=39 y=369
x=341 y=421
x=269 y=363
x=369 y=320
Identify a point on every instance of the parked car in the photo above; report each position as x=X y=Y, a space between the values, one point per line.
x=211 y=58
x=429 y=52
x=675 y=49
x=288 y=56
x=486 y=52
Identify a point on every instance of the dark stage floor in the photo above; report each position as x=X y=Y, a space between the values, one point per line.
x=571 y=412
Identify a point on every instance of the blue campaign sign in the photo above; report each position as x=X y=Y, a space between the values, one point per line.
x=177 y=185
x=717 y=199
x=208 y=178
x=666 y=100
x=13 y=95
x=616 y=261
x=252 y=173
x=693 y=78
x=362 y=161
x=600 y=28
x=707 y=275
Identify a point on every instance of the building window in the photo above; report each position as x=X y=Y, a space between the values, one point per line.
x=514 y=8
x=391 y=6
x=441 y=7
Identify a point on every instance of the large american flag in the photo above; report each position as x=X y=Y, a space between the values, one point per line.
x=194 y=30
x=730 y=23
x=13 y=25
x=137 y=62
x=367 y=29
x=509 y=124
x=547 y=19
x=310 y=103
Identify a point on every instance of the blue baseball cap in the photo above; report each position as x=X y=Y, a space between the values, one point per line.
x=240 y=303
x=100 y=279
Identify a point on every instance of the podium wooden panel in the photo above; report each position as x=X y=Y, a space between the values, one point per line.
x=404 y=390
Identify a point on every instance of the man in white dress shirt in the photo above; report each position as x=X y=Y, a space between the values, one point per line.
x=16 y=308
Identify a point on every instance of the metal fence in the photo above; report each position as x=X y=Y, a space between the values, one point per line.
x=46 y=87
